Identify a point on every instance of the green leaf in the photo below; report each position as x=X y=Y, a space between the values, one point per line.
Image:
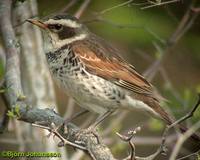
x=11 y=114
x=14 y=112
x=17 y=113
x=21 y=97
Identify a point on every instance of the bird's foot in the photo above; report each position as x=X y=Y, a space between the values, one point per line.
x=58 y=128
x=93 y=130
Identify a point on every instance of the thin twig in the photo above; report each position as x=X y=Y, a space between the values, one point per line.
x=164 y=75
x=182 y=139
x=190 y=155
x=82 y=8
x=127 y=26
x=132 y=155
x=66 y=142
x=160 y=4
x=188 y=115
x=83 y=139
x=68 y=6
x=117 y=6
x=184 y=25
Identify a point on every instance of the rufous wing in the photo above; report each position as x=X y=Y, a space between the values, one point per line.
x=98 y=60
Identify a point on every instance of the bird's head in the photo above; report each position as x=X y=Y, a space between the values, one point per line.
x=61 y=30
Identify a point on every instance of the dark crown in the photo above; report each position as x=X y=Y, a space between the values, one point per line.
x=66 y=16
x=59 y=17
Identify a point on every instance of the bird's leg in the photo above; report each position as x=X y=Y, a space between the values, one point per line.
x=75 y=116
x=66 y=121
x=100 y=119
x=92 y=127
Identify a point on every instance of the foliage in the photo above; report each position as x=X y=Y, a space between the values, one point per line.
x=14 y=112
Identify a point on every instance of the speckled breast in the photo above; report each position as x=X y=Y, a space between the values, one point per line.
x=90 y=91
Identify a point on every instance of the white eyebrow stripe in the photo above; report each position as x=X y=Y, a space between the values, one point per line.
x=65 y=22
x=59 y=43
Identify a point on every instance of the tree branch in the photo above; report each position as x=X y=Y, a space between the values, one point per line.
x=184 y=25
x=182 y=139
x=12 y=75
x=23 y=111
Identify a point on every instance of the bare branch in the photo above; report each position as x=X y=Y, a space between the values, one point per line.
x=117 y=6
x=12 y=76
x=99 y=18
x=196 y=154
x=160 y=4
x=24 y=112
x=188 y=133
x=183 y=26
x=188 y=115
x=132 y=155
x=82 y=8
x=183 y=138
x=68 y=6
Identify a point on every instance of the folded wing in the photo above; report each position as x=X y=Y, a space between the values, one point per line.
x=101 y=59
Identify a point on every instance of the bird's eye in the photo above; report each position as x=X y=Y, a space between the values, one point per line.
x=58 y=26
x=55 y=27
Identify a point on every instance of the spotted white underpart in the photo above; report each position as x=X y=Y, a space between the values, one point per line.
x=90 y=91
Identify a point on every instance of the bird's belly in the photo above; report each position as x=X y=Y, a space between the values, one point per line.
x=92 y=93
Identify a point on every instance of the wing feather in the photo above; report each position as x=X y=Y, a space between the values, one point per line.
x=101 y=59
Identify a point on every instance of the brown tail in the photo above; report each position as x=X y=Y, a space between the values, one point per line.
x=166 y=117
x=154 y=104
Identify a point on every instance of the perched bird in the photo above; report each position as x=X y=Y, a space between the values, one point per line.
x=92 y=71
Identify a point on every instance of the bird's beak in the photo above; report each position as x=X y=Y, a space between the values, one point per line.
x=37 y=23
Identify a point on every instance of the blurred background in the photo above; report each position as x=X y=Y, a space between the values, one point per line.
x=162 y=42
